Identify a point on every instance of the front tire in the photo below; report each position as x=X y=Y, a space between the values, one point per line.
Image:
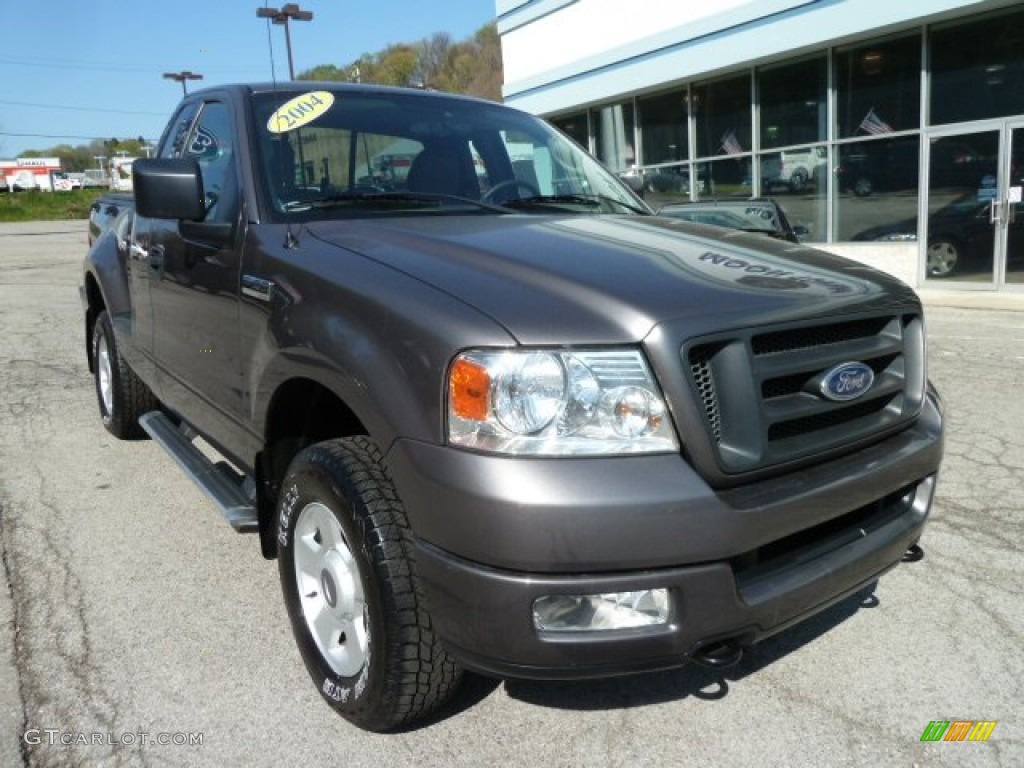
x=122 y=396
x=863 y=187
x=350 y=586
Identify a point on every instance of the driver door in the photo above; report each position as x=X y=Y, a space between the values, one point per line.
x=195 y=291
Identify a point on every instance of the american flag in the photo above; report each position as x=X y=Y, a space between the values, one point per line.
x=873 y=124
x=731 y=144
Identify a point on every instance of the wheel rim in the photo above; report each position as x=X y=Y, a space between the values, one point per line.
x=942 y=258
x=330 y=590
x=104 y=375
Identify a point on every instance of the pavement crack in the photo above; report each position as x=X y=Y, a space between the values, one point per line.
x=17 y=643
x=70 y=693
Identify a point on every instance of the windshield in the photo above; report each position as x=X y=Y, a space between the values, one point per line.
x=328 y=153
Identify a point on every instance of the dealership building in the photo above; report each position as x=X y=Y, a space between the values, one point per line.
x=890 y=132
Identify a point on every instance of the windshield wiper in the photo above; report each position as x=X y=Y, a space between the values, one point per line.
x=590 y=201
x=386 y=199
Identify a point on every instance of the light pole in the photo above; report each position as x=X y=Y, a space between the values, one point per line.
x=181 y=77
x=281 y=16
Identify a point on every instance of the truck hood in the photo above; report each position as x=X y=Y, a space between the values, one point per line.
x=613 y=279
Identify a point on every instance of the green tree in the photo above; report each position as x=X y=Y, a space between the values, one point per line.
x=324 y=72
x=79 y=158
x=472 y=66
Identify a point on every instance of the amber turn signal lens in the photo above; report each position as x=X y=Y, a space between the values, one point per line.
x=469 y=387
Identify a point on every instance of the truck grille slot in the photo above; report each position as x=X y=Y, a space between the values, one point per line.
x=701 y=369
x=755 y=570
x=760 y=389
x=806 y=338
x=797 y=427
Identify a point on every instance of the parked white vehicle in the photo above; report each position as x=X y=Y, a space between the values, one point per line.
x=94 y=177
x=64 y=182
x=795 y=169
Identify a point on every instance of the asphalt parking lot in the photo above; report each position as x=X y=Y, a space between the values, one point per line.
x=135 y=624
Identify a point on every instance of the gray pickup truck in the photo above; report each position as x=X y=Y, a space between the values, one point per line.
x=485 y=409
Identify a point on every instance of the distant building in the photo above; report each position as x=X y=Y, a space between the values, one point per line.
x=30 y=172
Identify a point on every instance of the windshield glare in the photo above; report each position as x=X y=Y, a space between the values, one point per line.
x=328 y=153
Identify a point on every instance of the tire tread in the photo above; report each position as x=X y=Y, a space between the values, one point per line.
x=132 y=397
x=423 y=675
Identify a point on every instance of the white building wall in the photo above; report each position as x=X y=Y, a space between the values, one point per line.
x=562 y=54
x=581 y=29
x=897 y=259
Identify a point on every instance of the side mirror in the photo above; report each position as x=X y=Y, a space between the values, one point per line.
x=168 y=188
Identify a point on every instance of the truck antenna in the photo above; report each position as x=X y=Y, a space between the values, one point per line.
x=270 y=48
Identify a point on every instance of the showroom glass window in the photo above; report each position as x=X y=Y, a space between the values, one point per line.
x=664 y=146
x=793 y=112
x=575 y=127
x=613 y=128
x=877 y=190
x=794 y=103
x=722 y=112
x=878 y=94
x=978 y=69
x=664 y=129
x=878 y=88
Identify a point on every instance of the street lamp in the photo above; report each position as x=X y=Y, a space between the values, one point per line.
x=281 y=16
x=181 y=77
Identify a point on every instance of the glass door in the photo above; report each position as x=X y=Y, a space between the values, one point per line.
x=1012 y=256
x=974 y=227
x=961 y=228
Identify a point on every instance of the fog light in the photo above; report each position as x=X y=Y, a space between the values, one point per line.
x=588 y=613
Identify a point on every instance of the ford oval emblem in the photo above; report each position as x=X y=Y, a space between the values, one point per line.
x=847 y=381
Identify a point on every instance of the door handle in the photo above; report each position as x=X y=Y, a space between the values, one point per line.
x=995 y=212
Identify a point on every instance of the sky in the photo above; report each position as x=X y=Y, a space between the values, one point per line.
x=74 y=70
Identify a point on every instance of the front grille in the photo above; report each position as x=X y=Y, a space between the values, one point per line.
x=759 y=389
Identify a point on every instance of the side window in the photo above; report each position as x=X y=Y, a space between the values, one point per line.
x=211 y=143
x=174 y=139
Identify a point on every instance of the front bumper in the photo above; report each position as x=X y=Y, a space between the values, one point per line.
x=494 y=534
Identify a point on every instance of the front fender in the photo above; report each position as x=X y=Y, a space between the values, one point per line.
x=384 y=357
x=105 y=284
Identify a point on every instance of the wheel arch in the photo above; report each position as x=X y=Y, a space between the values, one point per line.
x=302 y=411
x=105 y=283
x=94 y=304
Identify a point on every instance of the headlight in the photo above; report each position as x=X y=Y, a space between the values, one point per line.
x=557 y=403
